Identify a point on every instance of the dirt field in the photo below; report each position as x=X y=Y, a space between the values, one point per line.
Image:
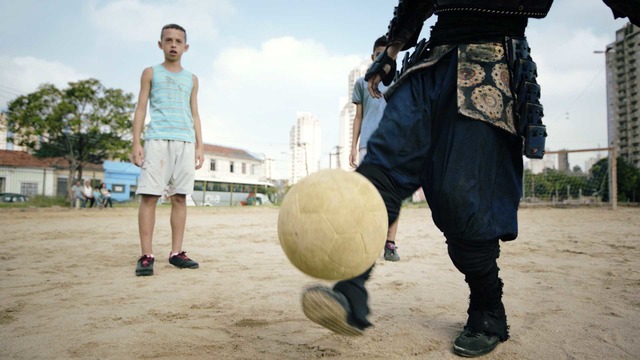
x=68 y=289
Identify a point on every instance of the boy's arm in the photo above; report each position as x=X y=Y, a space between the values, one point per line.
x=196 y=124
x=357 y=126
x=137 y=152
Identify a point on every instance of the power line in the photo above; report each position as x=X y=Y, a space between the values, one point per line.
x=583 y=91
x=10 y=89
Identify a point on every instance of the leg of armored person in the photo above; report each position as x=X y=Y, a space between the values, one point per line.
x=487 y=322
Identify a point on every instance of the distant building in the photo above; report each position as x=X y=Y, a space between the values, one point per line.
x=537 y=166
x=231 y=164
x=3 y=132
x=4 y=135
x=623 y=83
x=305 y=145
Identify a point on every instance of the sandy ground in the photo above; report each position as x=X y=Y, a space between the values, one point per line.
x=68 y=290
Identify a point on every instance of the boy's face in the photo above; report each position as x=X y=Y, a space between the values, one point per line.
x=377 y=51
x=173 y=44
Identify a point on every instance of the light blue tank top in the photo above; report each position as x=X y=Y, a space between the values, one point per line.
x=170 y=106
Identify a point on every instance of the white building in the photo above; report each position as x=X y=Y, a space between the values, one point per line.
x=347 y=112
x=536 y=166
x=230 y=164
x=3 y=132
x=305 y=145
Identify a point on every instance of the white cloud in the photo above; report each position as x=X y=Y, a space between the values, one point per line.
x=252 y=94
x=22 y=75
x=132 y=19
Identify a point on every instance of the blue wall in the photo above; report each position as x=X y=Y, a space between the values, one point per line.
x=121 y=178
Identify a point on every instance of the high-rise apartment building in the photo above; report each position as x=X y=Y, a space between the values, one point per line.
x=305 y=145
x=347 y=113
x=623 y=85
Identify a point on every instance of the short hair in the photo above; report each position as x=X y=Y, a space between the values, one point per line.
x=173 y=26
x=381 y=41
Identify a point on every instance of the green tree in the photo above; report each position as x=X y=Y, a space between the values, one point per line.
x=627 y=175
x=82 y=123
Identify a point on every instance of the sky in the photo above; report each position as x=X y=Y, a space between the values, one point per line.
x=260 y=62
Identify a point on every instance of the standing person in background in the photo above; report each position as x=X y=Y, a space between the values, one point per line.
x=173 y=147
x=369 y=111
x=77 y=195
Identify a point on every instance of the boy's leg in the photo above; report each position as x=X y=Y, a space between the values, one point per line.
x=180 y=185
x=178 y=221
x=390 y=248
x=146 y=222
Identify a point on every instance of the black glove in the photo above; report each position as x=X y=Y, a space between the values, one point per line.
x=377 y=68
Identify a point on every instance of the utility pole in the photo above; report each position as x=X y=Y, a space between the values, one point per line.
x=338 y=156
x=269 y=161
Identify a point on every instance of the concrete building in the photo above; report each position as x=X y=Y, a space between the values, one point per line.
x=230 y=164
x=623 y=85
x=4 y=134
x=347 y=112
x=305 y=145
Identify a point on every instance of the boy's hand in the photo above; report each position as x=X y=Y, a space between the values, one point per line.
x=199 y=156
x=352 y=158
x=137 y=155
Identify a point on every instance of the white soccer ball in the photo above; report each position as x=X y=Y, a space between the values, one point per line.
x=333 y=224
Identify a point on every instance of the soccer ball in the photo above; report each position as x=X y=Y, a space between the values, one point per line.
x=332 y=224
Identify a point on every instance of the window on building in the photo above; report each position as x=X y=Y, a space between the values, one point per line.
x=118 y=188
x=29 y=188
x=212 y=165
x=3 y=181
x=244 y=168
x=253 y=169
x=231 y=166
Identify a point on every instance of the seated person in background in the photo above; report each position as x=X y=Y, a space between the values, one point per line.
x=98 y=197
x=106 y=196
x=87 y=192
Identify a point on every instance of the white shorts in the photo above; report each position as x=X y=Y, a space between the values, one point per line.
x=363 y=152
x=169 y=167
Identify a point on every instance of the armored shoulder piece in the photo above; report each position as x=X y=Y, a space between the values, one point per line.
x=408 y=18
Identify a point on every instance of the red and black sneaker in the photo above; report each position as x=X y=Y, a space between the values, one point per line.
x=182 y=261
x=145 y=266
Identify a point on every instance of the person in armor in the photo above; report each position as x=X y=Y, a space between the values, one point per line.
x=460 y=115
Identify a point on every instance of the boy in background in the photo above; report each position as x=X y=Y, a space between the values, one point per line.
x=173 y=147
x=369 y=111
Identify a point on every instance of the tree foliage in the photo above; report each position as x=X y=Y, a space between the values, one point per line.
x=628 y=179
x=83 y=123
x=557 y=185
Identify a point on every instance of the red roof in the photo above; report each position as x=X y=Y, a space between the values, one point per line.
x=228 y=152
x=21 y=159
x=62 y=163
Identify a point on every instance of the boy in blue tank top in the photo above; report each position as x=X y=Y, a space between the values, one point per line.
x=173 y=148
